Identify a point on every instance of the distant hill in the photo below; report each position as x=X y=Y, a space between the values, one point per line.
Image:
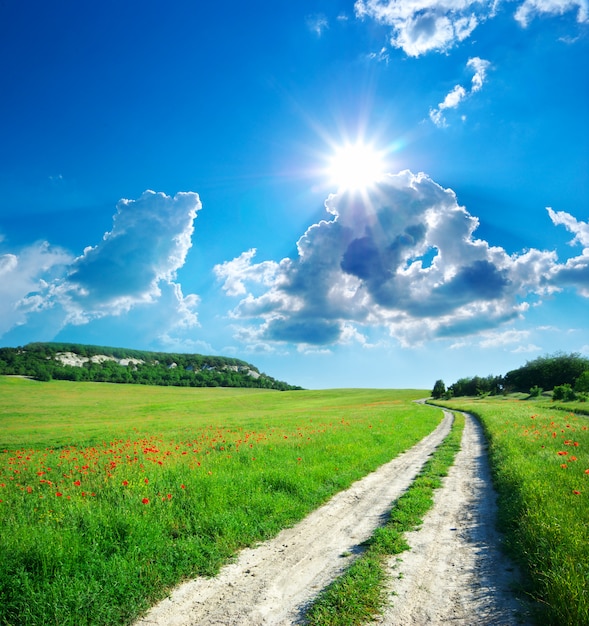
x=79 y=362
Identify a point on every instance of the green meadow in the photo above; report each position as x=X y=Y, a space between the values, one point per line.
x=540 y=461
x=112 y=494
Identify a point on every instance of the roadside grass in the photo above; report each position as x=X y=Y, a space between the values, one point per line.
x=540 y=463
x=111 y=495
x=358 y=595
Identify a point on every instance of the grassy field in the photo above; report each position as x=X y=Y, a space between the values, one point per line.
x=540 y=459
x=111 y=494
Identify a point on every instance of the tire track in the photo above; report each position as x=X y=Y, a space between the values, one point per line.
x=455 y=572
x=274 y=582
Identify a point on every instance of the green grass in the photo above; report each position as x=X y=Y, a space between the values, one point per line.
x=110 y=495
x=358 y=595
x=540 y=461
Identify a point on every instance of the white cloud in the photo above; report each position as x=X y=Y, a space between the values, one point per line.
x=401 y=256
x=317 y=24
x=579 y=229
x=133 y=267
x=422 y=26
x=496 y=339
x=531 y=9
x=235 y=273
x=575 y=272
x=480 y=67
x=22 y=275
x=146 y=246
x=459 y=93
x=531 y=347
x=382 y=56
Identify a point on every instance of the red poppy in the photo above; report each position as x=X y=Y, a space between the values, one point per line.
x=577 y=493
x=77 y=483
x=184 y=486
x=59 y=494
x=125 y=483
x=146 y=481
x=145 y=500
x=562 y=453
x=587 y=471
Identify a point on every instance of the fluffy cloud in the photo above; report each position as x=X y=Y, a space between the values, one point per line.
x=423 y=26
x=534 y=8
x=134 y=264
x=459 y=93
x=24 y=274
x=575 y=272
x=146 y=246
x=579 y=229
x=402 y=256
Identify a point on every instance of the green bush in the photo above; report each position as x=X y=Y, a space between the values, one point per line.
x=564 y=393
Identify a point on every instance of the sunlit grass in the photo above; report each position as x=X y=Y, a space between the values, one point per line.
x=110 y=495
x=540 y=461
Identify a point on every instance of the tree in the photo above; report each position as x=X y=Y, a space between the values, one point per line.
x=439 y=389
x=582 y=383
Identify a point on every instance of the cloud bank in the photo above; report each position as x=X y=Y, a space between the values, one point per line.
x=400 y=256
x=423 y=26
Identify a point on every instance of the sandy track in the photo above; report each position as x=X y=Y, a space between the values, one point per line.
x=274 y=582
x=454 y=572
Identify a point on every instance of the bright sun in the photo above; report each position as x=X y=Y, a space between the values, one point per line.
x=355 y=167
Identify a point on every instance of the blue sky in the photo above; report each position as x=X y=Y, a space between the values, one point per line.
x=168 y=182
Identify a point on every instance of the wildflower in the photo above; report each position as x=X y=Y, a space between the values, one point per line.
x=59 y=494
x=146 y=481
x=77 y=483
x=29 y=489
x=145 y=501
x=562 y=453
x=125 y=483
x=587 y=471
x=577 y=493
x=184 y=486
x=572 y=458
x=564 y=466
x=169 y=496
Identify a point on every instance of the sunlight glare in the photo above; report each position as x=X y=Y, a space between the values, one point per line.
x=355 y=167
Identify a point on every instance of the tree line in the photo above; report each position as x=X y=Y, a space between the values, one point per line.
x=566 y=375
x=42 y=361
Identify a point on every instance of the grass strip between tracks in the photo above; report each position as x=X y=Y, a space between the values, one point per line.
x=358 y=595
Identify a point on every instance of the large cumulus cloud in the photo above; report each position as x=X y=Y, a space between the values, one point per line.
x=402 y=255
x=146 y=246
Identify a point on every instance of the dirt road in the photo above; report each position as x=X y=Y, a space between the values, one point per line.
x=274 y=582
x=455 y=573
